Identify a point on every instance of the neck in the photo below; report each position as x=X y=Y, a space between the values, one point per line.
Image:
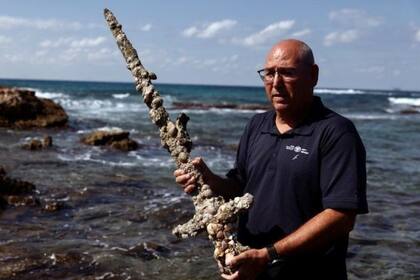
x=289 y=120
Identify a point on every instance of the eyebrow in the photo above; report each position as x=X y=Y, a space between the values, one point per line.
x=281 y=68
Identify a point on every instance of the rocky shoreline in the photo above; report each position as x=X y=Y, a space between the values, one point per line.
x=20 y=108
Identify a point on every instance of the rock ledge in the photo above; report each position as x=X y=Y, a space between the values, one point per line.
x=20 y=108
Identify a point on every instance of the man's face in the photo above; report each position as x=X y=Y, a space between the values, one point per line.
x=292 y=85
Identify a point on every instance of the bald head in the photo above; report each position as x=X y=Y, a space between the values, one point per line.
x=294 y=49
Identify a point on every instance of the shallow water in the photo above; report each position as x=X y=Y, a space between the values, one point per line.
x=120 y=207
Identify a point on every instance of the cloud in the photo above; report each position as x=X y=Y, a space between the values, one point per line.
x=7 y=22
x=88 y=42
x=13 y=58
x=190 y=31
x=417 y=36
x=102 y=54
x=271 y=31
x=223 y=64
x=55 y=43
x=74 y=43
x=146 y=28
x=72 y=50
x=341 y=37
x=301 y=33
x=353 y=17
x=210 y=30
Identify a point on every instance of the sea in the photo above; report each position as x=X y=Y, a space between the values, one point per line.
x=119 y=207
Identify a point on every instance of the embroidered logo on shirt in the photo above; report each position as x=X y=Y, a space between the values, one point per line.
x=297 y=149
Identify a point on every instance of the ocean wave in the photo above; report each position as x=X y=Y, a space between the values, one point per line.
x=51 y=95
x=88 y=157
x=148 y=161
x=405 y=101
x=217 y=111
x=361 y=116
x=121 y=95
x=104 y=128
x=95 y=106
x=338 y=91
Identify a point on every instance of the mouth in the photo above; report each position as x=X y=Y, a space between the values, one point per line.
x=278 y=98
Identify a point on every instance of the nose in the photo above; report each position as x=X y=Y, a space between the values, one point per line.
x=278 y=79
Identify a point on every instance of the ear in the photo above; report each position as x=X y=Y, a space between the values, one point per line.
x=314 y=74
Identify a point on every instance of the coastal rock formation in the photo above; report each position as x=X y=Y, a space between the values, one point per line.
x=15 y=192
x=116 y=139
x=20 y=108
x=37 y=143
x=212 y=213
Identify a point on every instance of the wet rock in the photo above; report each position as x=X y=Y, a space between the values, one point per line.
x=34 y=144
x=116 y=139
x=20 y=108
x=233 y=147
x=53 y=206
x=125 y=145
x=15 y=192
x=147 y=251
x=10 y=186
x=410 y=111
x=207 y=106
x=22 y=200
x=37 y=265
x=13 y=268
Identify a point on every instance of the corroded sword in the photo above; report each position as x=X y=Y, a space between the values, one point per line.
x=212 y=213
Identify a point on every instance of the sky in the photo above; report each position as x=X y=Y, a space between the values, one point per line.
x=357 y=44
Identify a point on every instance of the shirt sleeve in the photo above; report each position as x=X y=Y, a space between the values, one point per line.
x=238 y=173
x=343 y=173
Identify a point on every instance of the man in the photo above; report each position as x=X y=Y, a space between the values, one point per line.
x=305 y=166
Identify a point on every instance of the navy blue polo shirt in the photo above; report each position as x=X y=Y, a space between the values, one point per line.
x=293 y=176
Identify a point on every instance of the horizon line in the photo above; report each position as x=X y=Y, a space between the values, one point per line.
x=196 y=84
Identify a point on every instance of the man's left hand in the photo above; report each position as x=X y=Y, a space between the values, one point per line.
x=248 y=264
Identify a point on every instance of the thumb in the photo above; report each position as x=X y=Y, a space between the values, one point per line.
x=199 y=163
x=237 y=260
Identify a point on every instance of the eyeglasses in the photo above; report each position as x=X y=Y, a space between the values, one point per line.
x=287 y=74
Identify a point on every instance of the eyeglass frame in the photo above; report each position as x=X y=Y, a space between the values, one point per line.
x=277 y=71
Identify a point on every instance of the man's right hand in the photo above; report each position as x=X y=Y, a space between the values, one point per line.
x=187 y=180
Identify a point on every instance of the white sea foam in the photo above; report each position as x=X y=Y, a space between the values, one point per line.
x=121 y=95
x=88 y=157
x=104 y=128
x=405 y=101
x=110 y=129
x=97 y=107
x=153 y=161
x=338 y=91
x=169 y=99
x=51 y=95
x=219 y=111
x=361 y=116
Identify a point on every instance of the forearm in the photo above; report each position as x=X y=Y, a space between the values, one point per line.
x=317 y=234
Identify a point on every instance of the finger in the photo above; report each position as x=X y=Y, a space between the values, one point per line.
x=178 y=172
x=183 y=179
x=220 y=266
x=237 y=260
x=233 y=276
x=190 y=188
x=200 y=164
x=197 y=160
x=191 y=181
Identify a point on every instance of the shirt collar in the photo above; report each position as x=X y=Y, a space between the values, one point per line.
x=306 y=128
